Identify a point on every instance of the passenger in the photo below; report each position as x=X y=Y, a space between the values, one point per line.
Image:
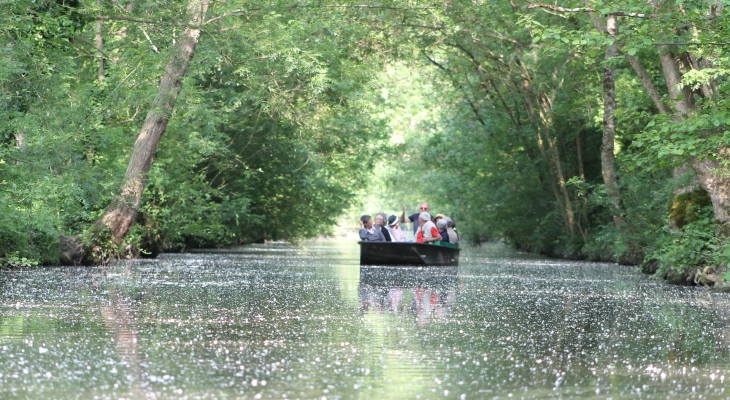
x=441 y=226
x=368 y=233
x=395 y=231
x=437 y=218
x=424 y=207
x=380 y=224
x=427 y=231
x=450 y=225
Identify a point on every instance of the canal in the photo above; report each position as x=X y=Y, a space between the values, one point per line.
x=277 y=321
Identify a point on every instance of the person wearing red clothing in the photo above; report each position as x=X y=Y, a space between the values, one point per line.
x=427 y=231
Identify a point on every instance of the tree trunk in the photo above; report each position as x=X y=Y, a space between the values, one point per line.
x=635 y=62
x=119 y=216
x=579 y=144
x=648 y=84
x=711 y=176
x=553 y=179
x=99 y=42
x=563 y=185
x=680 y=99
x=554 y=173
x=683 y=104
x=544 y=109
x=608 y=168
x=716 y=181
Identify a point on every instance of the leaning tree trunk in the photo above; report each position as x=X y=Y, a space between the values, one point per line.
x=119 y=216
x=681 y=96
x=635 y=62
x=648 y=84
x=552 y=163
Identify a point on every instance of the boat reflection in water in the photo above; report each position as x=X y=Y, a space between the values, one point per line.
x=426 y=292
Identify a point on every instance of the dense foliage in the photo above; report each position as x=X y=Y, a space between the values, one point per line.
x=516 y=153
x=586 y=129
x=271 y=125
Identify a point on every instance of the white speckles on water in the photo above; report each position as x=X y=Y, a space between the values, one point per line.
x=277 y=321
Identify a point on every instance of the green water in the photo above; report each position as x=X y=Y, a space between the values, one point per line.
x=275 y=321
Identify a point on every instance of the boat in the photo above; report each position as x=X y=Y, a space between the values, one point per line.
x=408 y=253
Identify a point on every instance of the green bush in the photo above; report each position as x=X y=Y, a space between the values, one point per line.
x=27 y=235
x=14 y=260
x=678 y=253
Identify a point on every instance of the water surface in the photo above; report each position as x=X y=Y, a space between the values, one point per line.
x=278 y=321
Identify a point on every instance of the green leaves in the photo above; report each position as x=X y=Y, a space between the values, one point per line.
x=262 y=133
x=14 y=260
x=680 y=252
x=697 y=136
x=287 y=109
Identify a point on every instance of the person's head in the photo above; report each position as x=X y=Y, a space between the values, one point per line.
x=424 y=207
x=441 y=225
x=367 y=221
x=393 y=221
x=449 y=222
x=380 y=219
x=423 y=218
x=438 y=217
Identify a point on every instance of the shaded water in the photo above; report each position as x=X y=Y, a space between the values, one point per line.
x=275 y=321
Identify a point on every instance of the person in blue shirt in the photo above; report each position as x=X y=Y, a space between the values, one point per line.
x=424 y=207
x=369 y=233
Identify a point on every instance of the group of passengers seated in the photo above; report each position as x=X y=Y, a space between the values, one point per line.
x=425 y=228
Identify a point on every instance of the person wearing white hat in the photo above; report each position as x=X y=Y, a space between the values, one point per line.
x=396 y=233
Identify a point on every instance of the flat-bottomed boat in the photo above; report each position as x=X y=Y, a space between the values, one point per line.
x=408 y=253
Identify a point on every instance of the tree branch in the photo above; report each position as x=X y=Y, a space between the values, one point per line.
x=473 y=106
x=141 y=20
x=582 y=9
x=154 y=48
x=694 y=44
x=241 y=11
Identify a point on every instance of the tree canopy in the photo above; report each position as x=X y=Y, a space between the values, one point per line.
x=579 y=129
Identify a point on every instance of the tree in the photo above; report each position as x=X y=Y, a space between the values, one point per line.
x=287 y=76
x=122 y=211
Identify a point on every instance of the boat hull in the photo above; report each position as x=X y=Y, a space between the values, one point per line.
x=394 y=253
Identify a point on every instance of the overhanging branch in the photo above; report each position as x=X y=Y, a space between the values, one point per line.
x=143 y=20
x=552 y=7
x=693 y=44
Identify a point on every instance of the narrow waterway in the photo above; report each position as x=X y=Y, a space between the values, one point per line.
x=278 y=321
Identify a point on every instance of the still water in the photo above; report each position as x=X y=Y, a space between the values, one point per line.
x=276 y=321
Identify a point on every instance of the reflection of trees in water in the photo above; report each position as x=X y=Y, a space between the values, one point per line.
x=628 y=330
x=118 y=317
x=431 y=291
